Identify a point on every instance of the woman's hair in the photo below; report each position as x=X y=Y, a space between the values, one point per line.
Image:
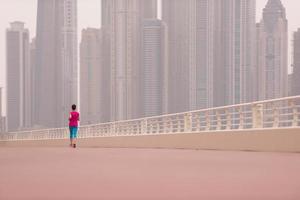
x=73 y=107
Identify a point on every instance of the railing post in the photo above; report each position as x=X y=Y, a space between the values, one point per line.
x=228 y=119
x=219 y=120
x=295 y=113
x=171 y=125
x=156 y=126
x=187 y=122
x=144 y=126
x=150 y=126
x=165 y=124
x=198 y=123
x=276 y=116
x=257 y=116
x=241 y=120
x=129 y=128
x=112 y=129
x=207 y=119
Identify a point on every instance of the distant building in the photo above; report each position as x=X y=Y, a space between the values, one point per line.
x=32 y=81
x=94 y=92
x=234 y=48
x=3 y=125
x=56 y=74
x=290 y=84
x=272 y=52
x=1 y=114
x=2 y=118
x=211 y=52
x=18 y=77
x=121 y=23
x=153 y=68
x=296 y=65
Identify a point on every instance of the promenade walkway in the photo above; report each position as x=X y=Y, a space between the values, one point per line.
x=146 y=174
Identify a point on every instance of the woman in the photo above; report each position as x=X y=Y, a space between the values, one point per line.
x=73 y=125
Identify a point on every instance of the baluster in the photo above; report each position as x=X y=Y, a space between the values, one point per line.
x=187 y=122
x=295 y=113
x=219 y=120
x=228 y=119
x=275 y=116
x=257 y=115
x=207 y=119
x=241 y=124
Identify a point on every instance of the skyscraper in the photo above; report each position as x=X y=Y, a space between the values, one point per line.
x=296 y=65
x=1 y=104
x=272 y=52
x=2 y=119
x=56 y=76
x=94 y=92
x=211 y=48
x=153 y=68
x=18 y=77
x=32 y=81
x=244 y=51
x=180 y=18
x=121 y=21
x=235 y=47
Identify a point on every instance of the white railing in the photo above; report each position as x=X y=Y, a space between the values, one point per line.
x=269 y=114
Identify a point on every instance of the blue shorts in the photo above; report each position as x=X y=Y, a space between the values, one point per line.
x=73 y=132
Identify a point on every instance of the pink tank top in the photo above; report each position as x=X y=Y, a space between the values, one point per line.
x=74 y=118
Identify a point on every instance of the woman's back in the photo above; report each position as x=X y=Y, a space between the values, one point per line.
x=74 y=118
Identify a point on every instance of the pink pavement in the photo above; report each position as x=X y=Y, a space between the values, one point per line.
x=145 y=174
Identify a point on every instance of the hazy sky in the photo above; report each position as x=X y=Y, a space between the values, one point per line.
x=89 y=16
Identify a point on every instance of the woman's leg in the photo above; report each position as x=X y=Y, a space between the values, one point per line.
x=71 y=142
x=75 y=129
x=71 y=136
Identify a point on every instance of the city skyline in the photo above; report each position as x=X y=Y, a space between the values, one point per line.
x=27 y=11
x=89 y=13
x=78 y=30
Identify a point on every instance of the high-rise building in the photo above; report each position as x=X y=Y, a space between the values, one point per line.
x=1 y=114
x=56 y=76
x=295 y=85
x=244 y=52
x=121 y=21
x=180 y=18
x=32 y=81
x=2 y=119
x=94 y=93
x=153 y=84
x=18 y=77
x=211 y=48
x=234 y=62
x=272 y=51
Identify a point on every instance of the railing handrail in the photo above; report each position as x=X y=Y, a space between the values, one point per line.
x=245 y=109
x=174 y=114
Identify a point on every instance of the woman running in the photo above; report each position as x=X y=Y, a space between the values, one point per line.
x=73 y=125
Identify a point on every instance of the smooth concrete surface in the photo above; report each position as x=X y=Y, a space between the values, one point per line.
x=145 y=174
x=277 y=140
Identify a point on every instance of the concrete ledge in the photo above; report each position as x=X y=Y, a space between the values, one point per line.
x=278 y=140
